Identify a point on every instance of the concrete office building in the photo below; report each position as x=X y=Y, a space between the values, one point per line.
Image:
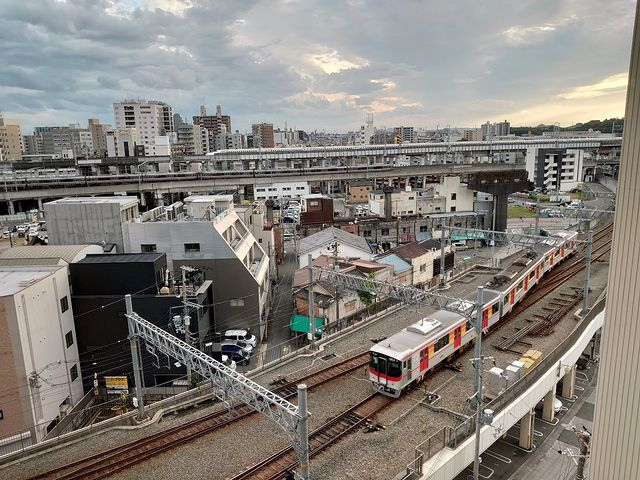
x=262 y=135
x=40 y=368
x=358 y=191
x=32 y=144
x=122 y=142
x=615 y=450
x=277 y=191
x=222 y=246
x=84 y=220
x=10 y=140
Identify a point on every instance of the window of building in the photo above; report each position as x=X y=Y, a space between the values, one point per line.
x=148 y=248
x=236 y=302
x=1 y=415
x=191 y=247
x=453 y=209
x=423 y=268
x=424 y=228
x=68 y=338
x=259 y=240
x=64 y=304
x=453 y=196
x=74 y=372
x=366 y=233
x=384 y=231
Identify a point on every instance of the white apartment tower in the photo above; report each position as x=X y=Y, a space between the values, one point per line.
x=150 y=119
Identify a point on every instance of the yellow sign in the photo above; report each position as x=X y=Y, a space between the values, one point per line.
x=116 y=383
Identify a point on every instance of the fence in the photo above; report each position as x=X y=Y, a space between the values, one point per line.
x=451 y=437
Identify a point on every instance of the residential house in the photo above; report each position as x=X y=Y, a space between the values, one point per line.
x=333 y=241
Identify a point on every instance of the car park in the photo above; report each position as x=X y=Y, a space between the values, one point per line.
x=241 y=334
x=557 y=405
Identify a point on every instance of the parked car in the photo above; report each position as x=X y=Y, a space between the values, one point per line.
x=6 y=234
x=241 y=334
x=557 y=405
x=236 y=352
x=247 y=347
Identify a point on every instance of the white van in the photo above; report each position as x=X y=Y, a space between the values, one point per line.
x=241 y=334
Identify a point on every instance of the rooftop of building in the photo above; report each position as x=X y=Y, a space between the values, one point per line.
x=122 y=201
x=123 y=258
x=48 y=253
x=208 y=198
x=409 y=251
x=398 y=263
x=15 y=279
x=332 y=234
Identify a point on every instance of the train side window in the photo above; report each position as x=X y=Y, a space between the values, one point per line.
x=468 y=326
x=409 y=364
x=494 y=308
x=532 y=274
x=520 y=285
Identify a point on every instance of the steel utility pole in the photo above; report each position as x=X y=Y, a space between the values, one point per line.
x=186 y=320
x=442 y=256
x=312 y=322
x=137 y=364
x=587 y=274
x=537 y=214
x=478 y=379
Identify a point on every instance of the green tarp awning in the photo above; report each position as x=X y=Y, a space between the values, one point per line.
x=300 y=323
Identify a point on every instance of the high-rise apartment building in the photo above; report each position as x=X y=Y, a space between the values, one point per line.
x=215 y=124
x=10 y=140
x=262 y=135
x=150 y=119
x=404 y=135
x=193 y=139
x=99 y=136
x=32 y=144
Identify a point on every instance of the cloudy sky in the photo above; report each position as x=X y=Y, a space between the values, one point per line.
x=318 y=64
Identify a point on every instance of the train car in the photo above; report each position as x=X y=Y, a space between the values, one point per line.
x=407 y=356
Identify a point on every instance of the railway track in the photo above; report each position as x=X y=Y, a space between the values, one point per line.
x=119 y=458
x=281 y=464
x=561 y=306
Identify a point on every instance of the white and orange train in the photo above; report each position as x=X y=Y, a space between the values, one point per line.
x=407 y=356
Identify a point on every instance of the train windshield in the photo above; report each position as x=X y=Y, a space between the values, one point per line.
x=385 y=365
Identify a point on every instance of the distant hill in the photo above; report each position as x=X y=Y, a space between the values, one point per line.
x=605 y=126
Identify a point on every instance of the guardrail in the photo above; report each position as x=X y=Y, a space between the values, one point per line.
x=451 y=437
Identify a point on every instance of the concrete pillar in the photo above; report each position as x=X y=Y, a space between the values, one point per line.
x=39 y=204
x=11 y=208
x=568 y=383
x=526 y=431
x=548 y=412
x=500 y=210
x=159 y=199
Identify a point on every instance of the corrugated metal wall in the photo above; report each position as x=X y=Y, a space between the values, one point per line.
x=616 y=442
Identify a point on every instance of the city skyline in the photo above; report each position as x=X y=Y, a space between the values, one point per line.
x=313 y=65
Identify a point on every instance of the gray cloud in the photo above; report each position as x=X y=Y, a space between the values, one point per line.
x=316 y=64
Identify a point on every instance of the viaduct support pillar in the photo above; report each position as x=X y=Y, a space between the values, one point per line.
x=500 y=211
x=159 y=199
x=568 y=383
x=526 y=431
x=548 y=412
x=11 y=208
x=39 y=204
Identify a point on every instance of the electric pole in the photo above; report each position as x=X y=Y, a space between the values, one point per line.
x=477 y=361
x=312 y=322
x=186 y=319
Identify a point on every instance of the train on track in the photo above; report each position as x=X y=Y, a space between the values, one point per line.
x=406 y=357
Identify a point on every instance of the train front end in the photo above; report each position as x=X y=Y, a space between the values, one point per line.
x=385 y=372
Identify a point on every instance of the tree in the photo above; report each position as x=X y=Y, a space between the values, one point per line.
x=368 y=295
